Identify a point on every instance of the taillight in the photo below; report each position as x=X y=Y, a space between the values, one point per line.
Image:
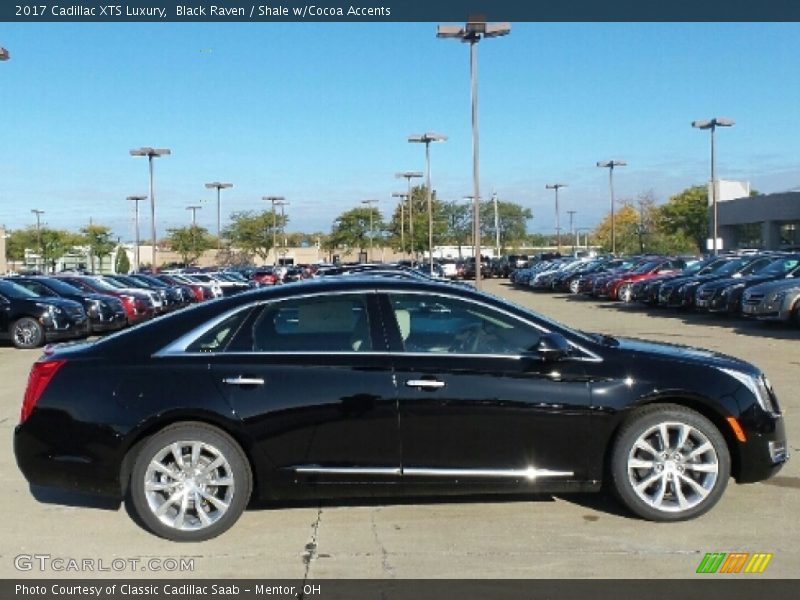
x=42 y=374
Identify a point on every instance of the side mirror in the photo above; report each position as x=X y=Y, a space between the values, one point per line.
x=552 y=347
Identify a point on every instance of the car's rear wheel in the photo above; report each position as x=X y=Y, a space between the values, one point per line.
x=669 y=463
x=27 y=333
x=574 y=286
x=190 y=482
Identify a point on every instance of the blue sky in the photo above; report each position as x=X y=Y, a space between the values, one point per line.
x=320 y=113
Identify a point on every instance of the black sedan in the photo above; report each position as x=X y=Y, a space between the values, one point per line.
x=30 y=320
x=356 y=386
x=105 y=313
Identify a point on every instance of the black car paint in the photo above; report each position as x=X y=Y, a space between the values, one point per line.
x=353 y=409
x=71 y=324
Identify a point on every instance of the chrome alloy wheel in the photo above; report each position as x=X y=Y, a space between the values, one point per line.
x=189 y=485
x=672 y=467
x=626 y=293
x=26 y=333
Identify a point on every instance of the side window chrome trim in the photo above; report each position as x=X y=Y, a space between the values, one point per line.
x=179 y=346
x=590 y=356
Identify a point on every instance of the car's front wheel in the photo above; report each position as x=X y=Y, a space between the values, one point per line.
x=669 y=463
x=626 y=293
x=190 y=482
x=27 y=333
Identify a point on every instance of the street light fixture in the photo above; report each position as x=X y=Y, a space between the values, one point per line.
x=712 y=124
x=136 y=200
x=276 y=201
x=611 y=165
x=152 y=153
x=471 y=33
x=427 y=138
x=219 y=186
x=556 y=187
x=4 y=55
x=409 y=175
x=369 y=204
x=402 y=196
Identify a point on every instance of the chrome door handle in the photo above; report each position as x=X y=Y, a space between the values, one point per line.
x=430 y=384
x=243 y=381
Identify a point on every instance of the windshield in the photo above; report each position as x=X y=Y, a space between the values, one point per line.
x=12 y=290
x=60 y=287
x=646 y=267
x=731 y=267
x=780 y=266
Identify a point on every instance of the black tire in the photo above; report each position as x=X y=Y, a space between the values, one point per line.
x=216 y=444
x=797 y=314
x=27 y=333
x=677 y=471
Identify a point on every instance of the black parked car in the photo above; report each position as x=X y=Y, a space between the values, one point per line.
x=352 y=386
x=105 y=313
x=30 y=320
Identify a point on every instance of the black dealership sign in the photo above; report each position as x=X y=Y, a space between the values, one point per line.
x=400 y=10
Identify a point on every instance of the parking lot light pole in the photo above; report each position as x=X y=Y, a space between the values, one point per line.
x=275 y=201
x=136 y=200
x=152 y=153
x=556 y=187
x=571 y=214
x=194 y=210
x=402 y=196
x=712 y=124
x=409 y=175
x=611 y=165
x=369 y=204
x=427 y=138
x=496 y=225
x=471 y=33
x=38 y=214
x=218 y=185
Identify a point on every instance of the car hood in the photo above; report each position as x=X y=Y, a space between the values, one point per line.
x=62 y=303
x=676 y=352
x=771 y=286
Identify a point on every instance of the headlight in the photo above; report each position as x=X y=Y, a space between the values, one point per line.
x=760 y=387
x=51 y=309
x=682 y=288
x=778 y=298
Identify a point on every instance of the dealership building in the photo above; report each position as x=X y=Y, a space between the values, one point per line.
x=768 y=221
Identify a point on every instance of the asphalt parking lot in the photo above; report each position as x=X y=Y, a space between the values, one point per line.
x=548 y=537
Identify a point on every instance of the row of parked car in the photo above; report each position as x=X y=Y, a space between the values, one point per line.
x=37 y=309
x=763 y=285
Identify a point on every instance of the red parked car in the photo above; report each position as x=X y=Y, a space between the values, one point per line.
x=621 y=286
x=264 y=277
x=138 y=305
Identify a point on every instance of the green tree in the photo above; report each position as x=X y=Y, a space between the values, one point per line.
x=417 y=221
x=190 y=242
x=626 y=222
x=252 y=231
x=18 y=241
x=122 y=264
x=98 y=239
x=56 y=243
x=458 y=220
x=351 y=229
x=512 y=221
x=687 y=214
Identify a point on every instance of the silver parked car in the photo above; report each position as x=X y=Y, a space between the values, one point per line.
x=773 y=301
